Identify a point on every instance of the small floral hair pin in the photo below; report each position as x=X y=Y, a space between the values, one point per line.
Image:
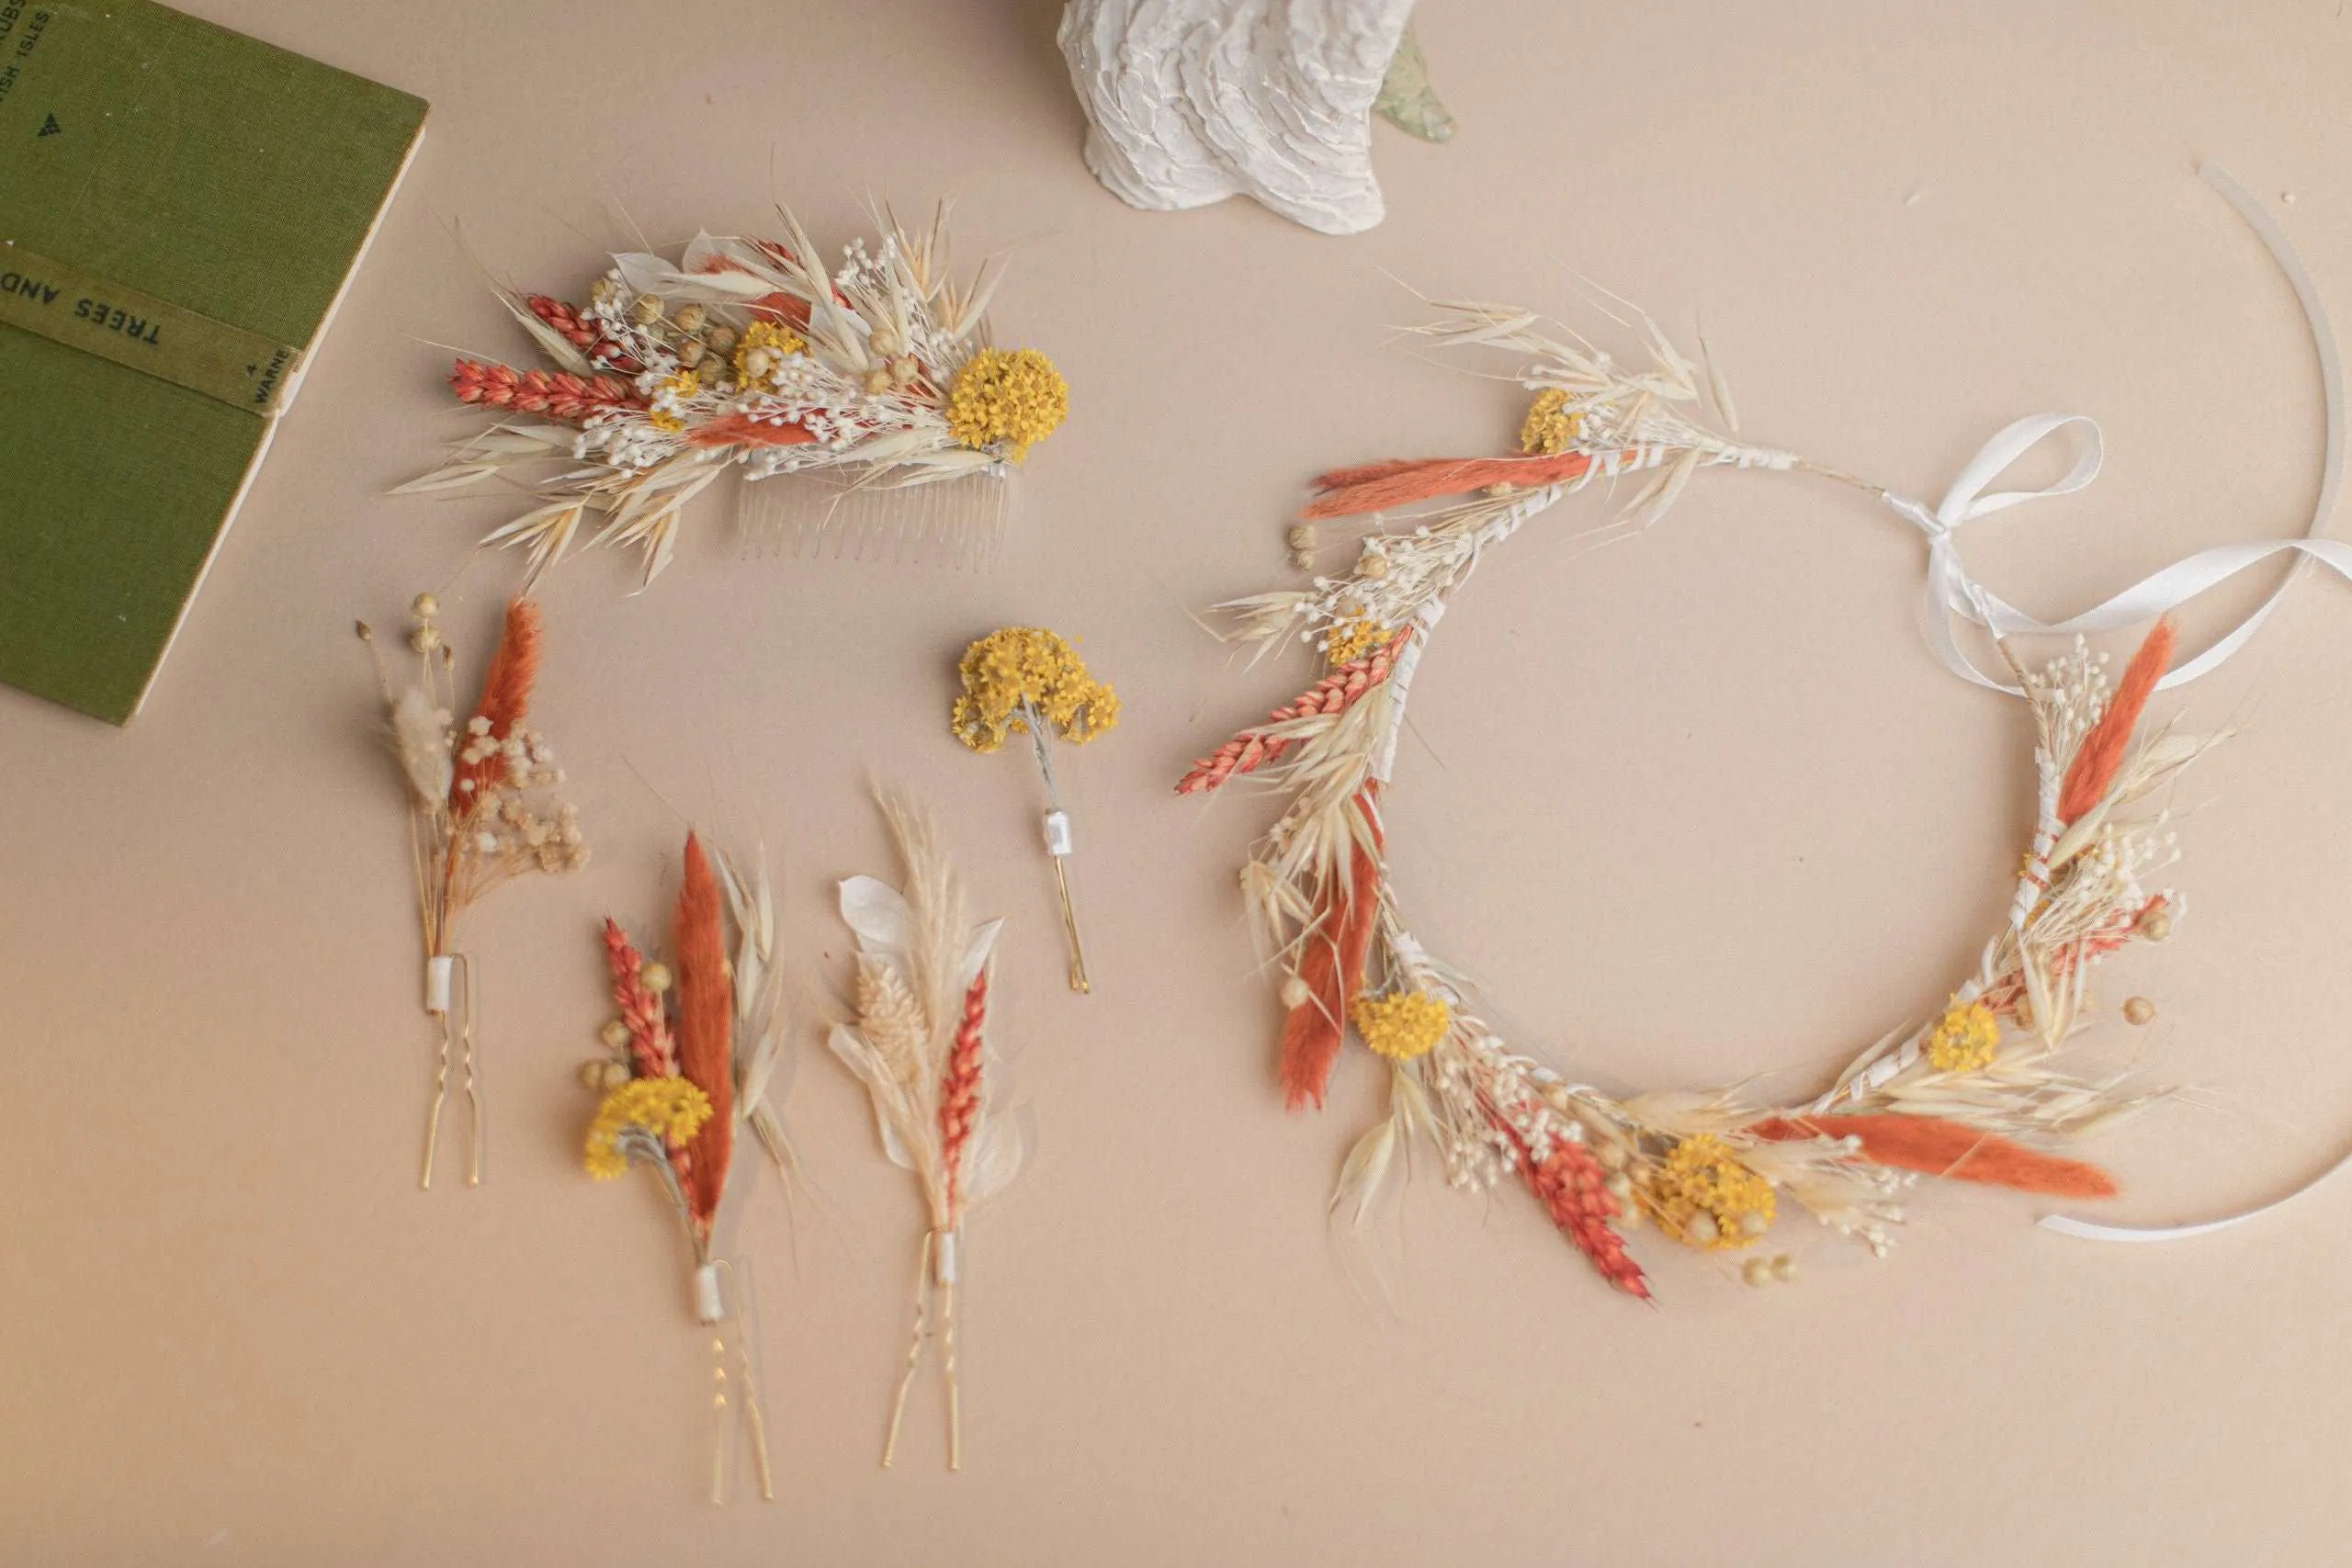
x=693 y=1054
x=747 y=353
x=482 y=809
x=1027 y=680
x=918 y=1039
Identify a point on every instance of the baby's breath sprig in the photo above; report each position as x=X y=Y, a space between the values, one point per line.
x=1027 y=680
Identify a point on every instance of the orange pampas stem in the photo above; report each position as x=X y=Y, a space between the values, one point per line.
x=1375 y=487
x=1333 y=966
x=1937 y=1147
x=706 y=1028
x=2101 y=753
x=959 y=1091
x=506 y=698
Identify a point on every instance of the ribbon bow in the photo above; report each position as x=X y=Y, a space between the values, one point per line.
x=1952 y=592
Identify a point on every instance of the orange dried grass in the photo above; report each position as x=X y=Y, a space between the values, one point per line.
x=706 y=1028
x=1375 y=487
x=1937 y=1147
x=1331 y=965
x=2102 y=752
x=506 y=699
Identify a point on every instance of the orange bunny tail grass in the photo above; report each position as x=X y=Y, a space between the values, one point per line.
x=959 y=1092
x=1375 y=487
x=1331 y=969
x=506 y=698
x=742 y=429
x=1937 y=1147
x=706 y=1026
x=2102 y=750
x=1574 y=1192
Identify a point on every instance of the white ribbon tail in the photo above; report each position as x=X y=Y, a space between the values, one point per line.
x=2092 y=1230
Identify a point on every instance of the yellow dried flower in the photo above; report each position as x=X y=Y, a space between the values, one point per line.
x=1965 y=1038
x=1702 y=1196
x=1028 y=666
x=1006 y=397
x=774 y=342
x=1548 y=427
x=1350 y=641
x=667 y=408
x=670 y=1110
x=1402 y=1025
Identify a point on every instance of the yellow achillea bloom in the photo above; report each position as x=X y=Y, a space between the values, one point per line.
x=1350 y=641
x=1548 y=428
x=1011 y=397
x=1404 y=1025
x=1965 y=1039
x=1031 y=666
x=1701 y=1195
x=771 y=341
x=670 y=1109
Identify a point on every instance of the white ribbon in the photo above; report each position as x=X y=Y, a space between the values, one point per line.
x=1952 y=592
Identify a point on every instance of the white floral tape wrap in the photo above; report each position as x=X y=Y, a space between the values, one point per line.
x=1951 y=591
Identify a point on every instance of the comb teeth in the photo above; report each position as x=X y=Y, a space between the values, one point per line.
x=957 y=524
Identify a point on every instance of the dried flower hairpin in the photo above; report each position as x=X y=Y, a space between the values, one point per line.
x=482 y=809
x=747 y=353
x=1027 y=680
x=918 y=1039
x=693 y=1054
x=1966 y=1093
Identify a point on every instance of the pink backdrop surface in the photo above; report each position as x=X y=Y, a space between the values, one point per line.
x=1693 y=806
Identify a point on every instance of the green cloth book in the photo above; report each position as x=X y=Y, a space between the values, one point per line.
x=181 y=207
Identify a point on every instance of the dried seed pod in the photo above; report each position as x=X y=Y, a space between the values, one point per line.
x=1301 y=536
x=721 y=338
x=2139 y=1010
x=2156 y=924
x=645 y=310
x=689 y=318
x=691 y=353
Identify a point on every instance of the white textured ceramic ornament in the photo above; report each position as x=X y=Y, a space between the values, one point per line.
x=1193 y=101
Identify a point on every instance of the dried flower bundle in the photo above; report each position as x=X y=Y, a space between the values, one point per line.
x=918 y=1038
x=1966 y=1094
x=691 y=1052
x=482 y=809
x=1027 y=680
x=749 y=353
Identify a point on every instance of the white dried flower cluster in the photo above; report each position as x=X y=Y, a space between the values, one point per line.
x=517 y=824
x=1475 y=1080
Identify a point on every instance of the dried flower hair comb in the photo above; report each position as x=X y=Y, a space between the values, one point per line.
x=747 y=353
x=693 y=1054
x=482 y=809
x=1027 y=680
x=918 y=1038
x=1971 y=1092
